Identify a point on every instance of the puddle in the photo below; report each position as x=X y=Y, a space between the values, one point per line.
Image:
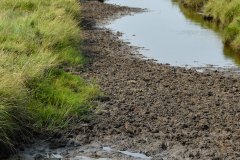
x=173 y=35
x=136 y=155
x=132 y=154
x=93 y=151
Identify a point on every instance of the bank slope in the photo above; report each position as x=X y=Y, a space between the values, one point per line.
x=38 y=39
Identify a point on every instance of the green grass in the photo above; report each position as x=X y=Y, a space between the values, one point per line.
x=36 y=37
x=61 y=96
x=226 y=13
x=195 y=4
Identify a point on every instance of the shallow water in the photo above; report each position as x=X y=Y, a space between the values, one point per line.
x=170 y=34
x=136 y=155
x=93 y=151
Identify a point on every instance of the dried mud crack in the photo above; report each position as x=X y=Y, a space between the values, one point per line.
x=162 y=111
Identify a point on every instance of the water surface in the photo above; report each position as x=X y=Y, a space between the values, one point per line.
x=172 y=35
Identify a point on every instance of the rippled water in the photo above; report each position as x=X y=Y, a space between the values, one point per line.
x=173 y=35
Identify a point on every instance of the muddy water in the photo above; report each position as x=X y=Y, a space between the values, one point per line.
x=171 y=35
x=93 y=151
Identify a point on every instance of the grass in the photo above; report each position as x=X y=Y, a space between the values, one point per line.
x=61 y=96
x=195 y=4
x=36 y=37
x=226 y=13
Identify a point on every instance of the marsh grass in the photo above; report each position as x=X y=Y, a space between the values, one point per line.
x=194 y=4
x=37 y=36
x=225 y=13
x=60 y=96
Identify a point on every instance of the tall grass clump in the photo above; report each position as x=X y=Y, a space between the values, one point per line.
x=60 y=97
x=226 y=13
x=36 y=37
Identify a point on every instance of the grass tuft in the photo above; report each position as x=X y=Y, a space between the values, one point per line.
x=61 y=96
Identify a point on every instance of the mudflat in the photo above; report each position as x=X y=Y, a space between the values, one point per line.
x=163 y=111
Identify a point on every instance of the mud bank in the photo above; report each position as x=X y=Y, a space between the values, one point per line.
x=161 y=111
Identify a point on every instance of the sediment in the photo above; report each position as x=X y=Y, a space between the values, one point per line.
x=163 y=111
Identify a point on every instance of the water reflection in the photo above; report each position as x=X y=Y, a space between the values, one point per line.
x=174 y=35
x=229 y=53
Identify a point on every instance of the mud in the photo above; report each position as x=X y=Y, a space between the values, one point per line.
x=165 y=112
x=160 y=111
